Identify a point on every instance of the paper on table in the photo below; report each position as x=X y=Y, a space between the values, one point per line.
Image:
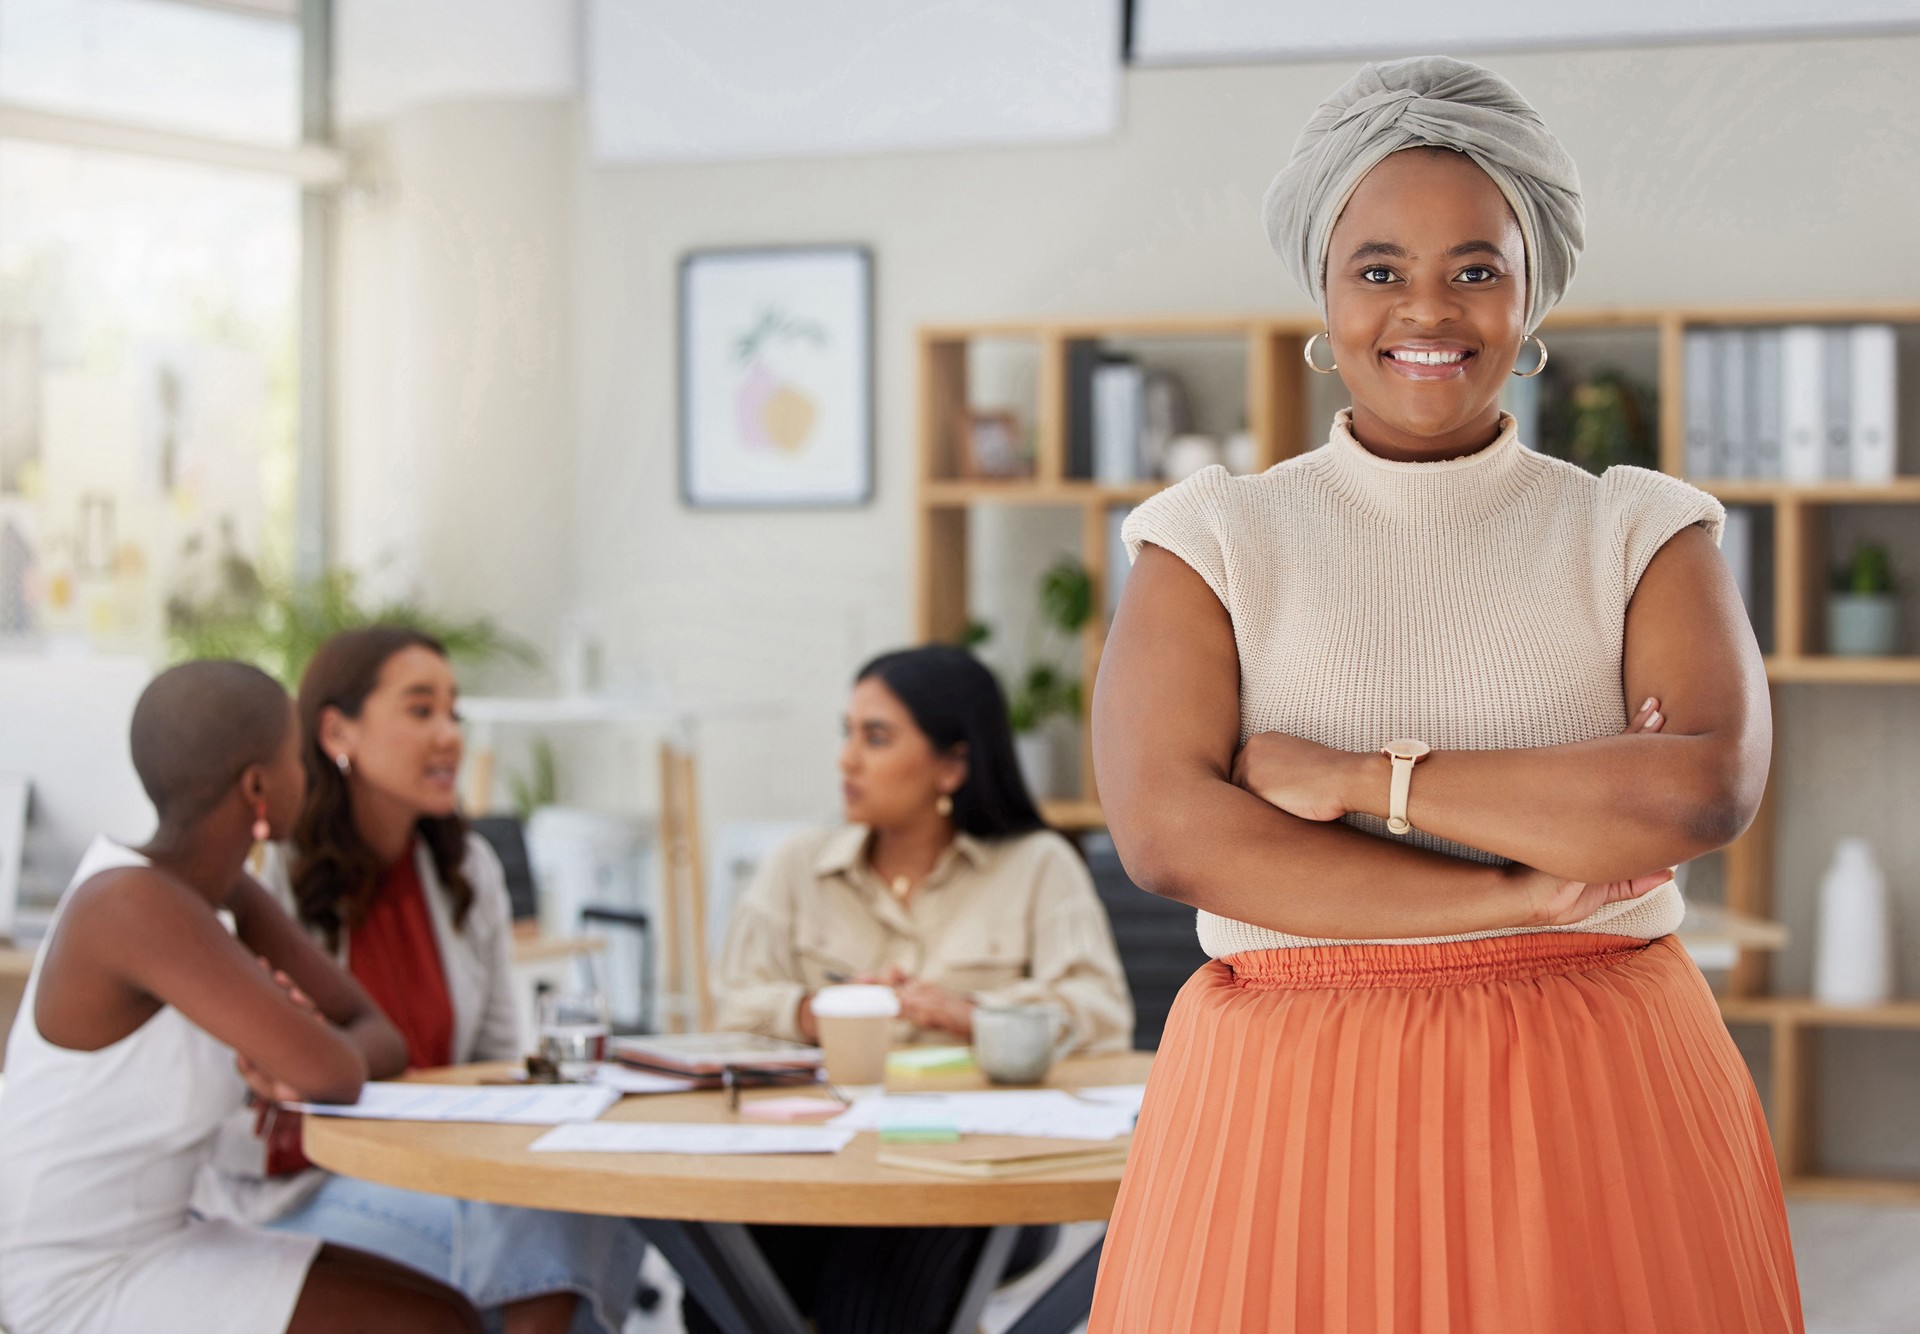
x=1128 y=1096
x=520 y=1105
x=659 y=1137
x=1041 y=1113
x=625 y=1079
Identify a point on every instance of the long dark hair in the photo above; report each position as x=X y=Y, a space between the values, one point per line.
x=955 y=700
x=335 y=873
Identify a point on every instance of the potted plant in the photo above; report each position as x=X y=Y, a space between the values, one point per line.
x=1045 y=693
x=1863 y=616
x=1607 y=418
x=234 y=611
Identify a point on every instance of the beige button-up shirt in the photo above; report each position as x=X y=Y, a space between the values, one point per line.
x=1005 y=921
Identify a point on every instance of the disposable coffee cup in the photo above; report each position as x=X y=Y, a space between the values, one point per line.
x=856 y=1029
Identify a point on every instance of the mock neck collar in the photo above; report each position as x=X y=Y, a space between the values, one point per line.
x=1468 y=489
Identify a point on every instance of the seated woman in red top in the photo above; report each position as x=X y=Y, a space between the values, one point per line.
x=385 y=874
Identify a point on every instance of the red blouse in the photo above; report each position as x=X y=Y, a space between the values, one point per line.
x=393 y=953
x=396 y=958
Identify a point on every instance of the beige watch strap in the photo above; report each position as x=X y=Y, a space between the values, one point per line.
x=1404 y=753
x=1397 y=795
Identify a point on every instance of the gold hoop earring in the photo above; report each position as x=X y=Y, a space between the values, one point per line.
x=944 y=804
x=1307 y=352
x=1535 y=340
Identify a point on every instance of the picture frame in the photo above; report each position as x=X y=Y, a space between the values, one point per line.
x=776 y=377
x=993 y=445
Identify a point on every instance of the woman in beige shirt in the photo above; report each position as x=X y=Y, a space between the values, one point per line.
x=946 y=884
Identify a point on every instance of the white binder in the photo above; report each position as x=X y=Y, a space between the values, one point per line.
x=1873 y=441
x=1702 y=397
x=1802 y=410
x=1736 y=548
x=1117 y=418
x=1733 y=445
x=1836 y=376
x=1764 y=402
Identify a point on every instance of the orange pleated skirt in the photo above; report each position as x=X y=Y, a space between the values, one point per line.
x=1533 y=1134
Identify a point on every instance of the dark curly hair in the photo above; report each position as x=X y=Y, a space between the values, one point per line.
x=335 y=873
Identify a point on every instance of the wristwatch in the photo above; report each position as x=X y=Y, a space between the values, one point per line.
x=1404 y=754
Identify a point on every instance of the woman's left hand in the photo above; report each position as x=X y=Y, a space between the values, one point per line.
x=928 y=1005
x=1302 y=778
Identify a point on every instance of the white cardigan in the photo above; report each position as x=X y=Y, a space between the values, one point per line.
x=476 y=958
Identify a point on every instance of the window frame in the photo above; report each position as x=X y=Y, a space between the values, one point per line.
x=319 y=168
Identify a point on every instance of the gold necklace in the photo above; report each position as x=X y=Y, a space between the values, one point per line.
x=900 y=886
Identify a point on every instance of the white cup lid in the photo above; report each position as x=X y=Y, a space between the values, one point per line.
x=856 y=1001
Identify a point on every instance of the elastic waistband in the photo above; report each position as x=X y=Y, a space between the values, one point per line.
x=1452 y=963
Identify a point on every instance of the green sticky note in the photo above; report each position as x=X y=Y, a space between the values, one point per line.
x=922 y=1134
x=930 y=1060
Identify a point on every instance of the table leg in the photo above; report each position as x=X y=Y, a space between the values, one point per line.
x=987 y=1272
x=1064 y=1305
x=726 y=1273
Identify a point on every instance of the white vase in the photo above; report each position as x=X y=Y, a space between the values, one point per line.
x=1034 y=753
x=1853 y=952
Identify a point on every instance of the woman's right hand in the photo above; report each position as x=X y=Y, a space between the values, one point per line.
x=1552 y=900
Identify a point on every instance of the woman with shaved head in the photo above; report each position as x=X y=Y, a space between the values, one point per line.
x=1419 y=722
x=168 y=984
x=384 y=874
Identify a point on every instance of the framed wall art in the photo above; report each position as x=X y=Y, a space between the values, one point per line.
x=776 y=377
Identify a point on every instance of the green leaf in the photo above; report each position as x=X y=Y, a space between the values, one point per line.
x=1870 y=571
x=541 y=788
x=1066 y=596
x=278 y=625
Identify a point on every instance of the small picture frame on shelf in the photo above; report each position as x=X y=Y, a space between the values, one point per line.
x=993 y=445
x=776 y=377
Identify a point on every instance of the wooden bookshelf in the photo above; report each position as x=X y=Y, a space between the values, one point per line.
x=1275 y=410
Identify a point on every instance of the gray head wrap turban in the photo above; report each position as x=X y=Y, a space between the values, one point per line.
x=1449 y=104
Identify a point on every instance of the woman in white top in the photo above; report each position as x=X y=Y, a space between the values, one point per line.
x=386 y=877
x=1419 y=721
x=146 y=1018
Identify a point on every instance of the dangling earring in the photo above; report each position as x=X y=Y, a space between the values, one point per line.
x=343 y=764
x=262 y=831
x=1307 y=352
x=944 y=804
x=1535 y=340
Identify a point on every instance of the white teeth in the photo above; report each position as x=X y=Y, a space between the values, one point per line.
x=1428 y=358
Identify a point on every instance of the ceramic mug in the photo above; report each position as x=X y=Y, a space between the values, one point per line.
x=1014 y=1044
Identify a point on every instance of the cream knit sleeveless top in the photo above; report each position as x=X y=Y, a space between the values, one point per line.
x=1477 y=604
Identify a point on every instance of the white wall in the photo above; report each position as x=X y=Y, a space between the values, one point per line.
x=458 y=399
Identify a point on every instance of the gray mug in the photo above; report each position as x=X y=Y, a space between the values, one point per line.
x=1014 y=1044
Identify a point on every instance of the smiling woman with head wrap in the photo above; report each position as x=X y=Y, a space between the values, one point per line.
x=1418 y=722
x=1438 y=102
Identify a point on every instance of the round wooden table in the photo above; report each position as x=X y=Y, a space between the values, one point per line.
x=693 y=1207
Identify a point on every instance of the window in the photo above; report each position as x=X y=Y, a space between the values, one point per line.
x=152 y=320
x=227 y=70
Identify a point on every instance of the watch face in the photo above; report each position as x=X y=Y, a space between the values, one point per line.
x=1408 y=750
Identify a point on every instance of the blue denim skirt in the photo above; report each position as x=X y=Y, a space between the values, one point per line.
x=495 y=1253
